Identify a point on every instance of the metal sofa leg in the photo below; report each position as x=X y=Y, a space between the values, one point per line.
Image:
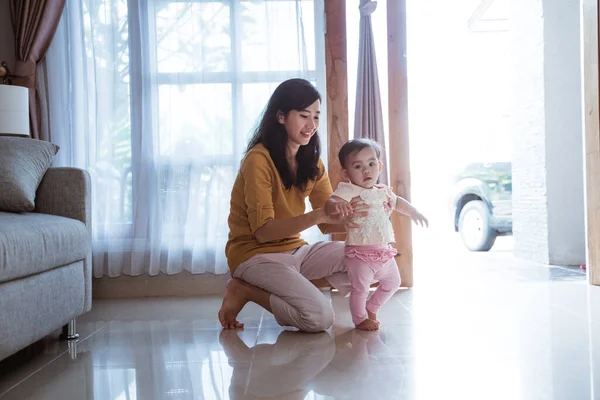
x=69 y=332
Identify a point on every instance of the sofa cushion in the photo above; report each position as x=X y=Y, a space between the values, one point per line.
x=23 y=163
x=31 y=243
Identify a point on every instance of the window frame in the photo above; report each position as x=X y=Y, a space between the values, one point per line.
x=141 y=29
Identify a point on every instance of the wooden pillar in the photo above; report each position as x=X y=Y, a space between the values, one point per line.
x=399 y=143
x=337 y=87
x=591 y=116
x=337 y=84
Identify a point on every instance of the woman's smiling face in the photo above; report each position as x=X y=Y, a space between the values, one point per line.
x=301 y=125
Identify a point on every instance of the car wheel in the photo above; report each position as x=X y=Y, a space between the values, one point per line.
x=474 y=226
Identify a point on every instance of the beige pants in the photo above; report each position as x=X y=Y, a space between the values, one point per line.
x=294 y=300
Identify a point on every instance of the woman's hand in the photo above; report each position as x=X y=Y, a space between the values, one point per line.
x=335 y=206
x=359 y=208
x=388 y=205
x=335 y=219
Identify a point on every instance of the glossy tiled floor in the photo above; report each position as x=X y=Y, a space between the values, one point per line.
x=475 y=326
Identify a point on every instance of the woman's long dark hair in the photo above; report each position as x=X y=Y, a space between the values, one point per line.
x=293 y=94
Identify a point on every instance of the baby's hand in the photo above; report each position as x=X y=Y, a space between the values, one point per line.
x=419 y=219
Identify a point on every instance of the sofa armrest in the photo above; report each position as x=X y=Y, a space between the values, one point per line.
x=65 y=192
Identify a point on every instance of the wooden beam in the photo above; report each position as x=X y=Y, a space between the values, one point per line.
x=399 y=143
x=591 y=116
x=337 y=84
x=336 y=68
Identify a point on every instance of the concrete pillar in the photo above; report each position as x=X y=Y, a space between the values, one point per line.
x=548 y=202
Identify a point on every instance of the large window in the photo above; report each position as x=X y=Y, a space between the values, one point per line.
x=165 y=95
x=211 y=66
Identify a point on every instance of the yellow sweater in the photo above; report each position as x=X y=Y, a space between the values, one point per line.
x=259 y=196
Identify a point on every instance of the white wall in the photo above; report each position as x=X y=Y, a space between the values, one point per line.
x=564 y=133
x=530 y=213
x=7 y=49
x=548 y=207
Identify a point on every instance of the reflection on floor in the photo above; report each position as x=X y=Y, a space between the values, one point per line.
x=478 y=327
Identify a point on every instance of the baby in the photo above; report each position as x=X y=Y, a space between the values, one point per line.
x=369 y=253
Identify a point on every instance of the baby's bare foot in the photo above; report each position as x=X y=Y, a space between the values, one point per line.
x=368 y=325
x=372 y=316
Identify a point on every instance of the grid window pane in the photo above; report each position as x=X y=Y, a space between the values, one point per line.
x=270 y=36
x=195 y=120
x=193 y=37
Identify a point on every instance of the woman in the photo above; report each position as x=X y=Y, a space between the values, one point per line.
x=269 y=262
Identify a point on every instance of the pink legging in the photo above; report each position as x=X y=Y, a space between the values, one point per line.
x=365 y=265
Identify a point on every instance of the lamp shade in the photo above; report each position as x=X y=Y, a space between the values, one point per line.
x=14 y=110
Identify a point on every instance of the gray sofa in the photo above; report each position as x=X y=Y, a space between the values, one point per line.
x=45 y=262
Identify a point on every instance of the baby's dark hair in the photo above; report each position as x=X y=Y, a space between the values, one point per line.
x=356 y=145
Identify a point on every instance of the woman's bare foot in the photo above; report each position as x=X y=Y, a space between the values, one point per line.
x=233 y=302
x=368 y=325
x=373 y=317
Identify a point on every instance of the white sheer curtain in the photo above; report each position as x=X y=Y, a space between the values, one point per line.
x=157 y=99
